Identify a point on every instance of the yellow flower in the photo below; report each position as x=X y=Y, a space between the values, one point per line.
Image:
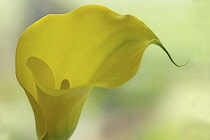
x=61 y=58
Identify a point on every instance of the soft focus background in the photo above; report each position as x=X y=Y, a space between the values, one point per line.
x=162 y=102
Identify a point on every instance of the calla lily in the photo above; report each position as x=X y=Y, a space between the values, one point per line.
x=61 y=58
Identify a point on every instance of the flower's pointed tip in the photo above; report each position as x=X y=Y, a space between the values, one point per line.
x=182 y=64
x=157 y=42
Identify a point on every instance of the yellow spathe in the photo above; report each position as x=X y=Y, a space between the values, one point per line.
x=60 y=58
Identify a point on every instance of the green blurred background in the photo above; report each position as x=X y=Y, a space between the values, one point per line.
x=162 y=102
